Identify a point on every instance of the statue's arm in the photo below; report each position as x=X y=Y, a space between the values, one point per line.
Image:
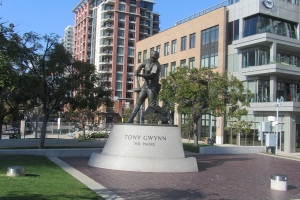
x=154 y=73
x=138 y=70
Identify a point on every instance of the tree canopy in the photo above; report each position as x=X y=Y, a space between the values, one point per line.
x=196 y=92
x=44 y=73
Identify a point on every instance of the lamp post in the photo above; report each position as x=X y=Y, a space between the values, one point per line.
x=277 y=104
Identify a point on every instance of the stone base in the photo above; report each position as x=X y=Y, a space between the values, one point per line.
x=144 y=148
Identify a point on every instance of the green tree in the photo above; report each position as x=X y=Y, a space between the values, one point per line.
x=199 y=91
x=13 y=81
x=152 y=118
x=126 y=114
x=187 y=127
x=60 y=80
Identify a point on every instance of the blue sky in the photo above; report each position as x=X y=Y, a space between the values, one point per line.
x=53 y=16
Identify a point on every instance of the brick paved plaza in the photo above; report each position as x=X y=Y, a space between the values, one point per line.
x=219 y=177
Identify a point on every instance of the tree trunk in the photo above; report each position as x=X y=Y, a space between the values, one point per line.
x=238 y=139
x=43 y=132
x=195 y=123
x=1 y=123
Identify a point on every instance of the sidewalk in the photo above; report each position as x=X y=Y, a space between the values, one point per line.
x=219 y=177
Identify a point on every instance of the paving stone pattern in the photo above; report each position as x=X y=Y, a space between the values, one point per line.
x=219 y=177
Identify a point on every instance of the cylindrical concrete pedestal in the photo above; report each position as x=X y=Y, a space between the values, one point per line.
x=144 y=148
x=15 y=171
x=279 y=182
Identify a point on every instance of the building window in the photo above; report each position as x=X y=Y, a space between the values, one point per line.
x=139 y=57
x=120 y=59
x=173 y=66
x=132 y=26
x=166 y=49
x=120 y=42
x=182 y=63
x=132 y=18
x=192 y=40
x=209 y=50
x=119 y=68
x=265 y=24
x=233 y=31
x=129 y=77
x=255 y=57
x=132 y=9
x=174 y=46
x=144 y=55
x=151 y=49
x=118 y=86
x=183 y=43
x=129 y=95
x=120 y=33
x=121 y=25
x=122 y=7
x=131 y=35
x=120 y=50
x=119 y=77
x=130 y=43
x=118 y=94
x=130 y=69
x=121 y=16
x=192 y=62
x=164 y=70
x=130 y=52
x=129 y=86
x=130 y=60
x=158 y=49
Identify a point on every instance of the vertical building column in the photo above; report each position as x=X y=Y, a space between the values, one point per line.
x=220 y=130
x=273 y=88
x=273 y=51
x=289 y=132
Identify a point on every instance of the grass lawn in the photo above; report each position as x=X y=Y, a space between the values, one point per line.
x=43 y=180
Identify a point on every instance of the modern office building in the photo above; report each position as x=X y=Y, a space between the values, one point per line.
x=255 y=40
x=106 y=32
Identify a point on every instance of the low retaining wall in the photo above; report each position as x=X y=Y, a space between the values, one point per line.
x=80 y=152
x=232 y=149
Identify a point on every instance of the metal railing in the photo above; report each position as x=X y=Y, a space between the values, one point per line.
x=202 y=12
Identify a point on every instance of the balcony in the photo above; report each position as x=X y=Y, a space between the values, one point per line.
x=156 y=28
x=142 y=23
x=144 y=32
x=106 y=61
x=156 y=20
x=288 y=106
x=106 y=43
x=106 y=52
x=283 y=70
x=108 y=9
x=109 y=2
x=143 y=15
x=105 y=70
x=106 y=79
x=107 y=35
x=108 y=18
x=108 y=26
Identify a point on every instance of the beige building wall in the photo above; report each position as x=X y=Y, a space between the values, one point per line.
x=196 y=25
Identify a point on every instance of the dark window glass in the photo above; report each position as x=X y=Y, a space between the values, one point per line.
x=183 y=43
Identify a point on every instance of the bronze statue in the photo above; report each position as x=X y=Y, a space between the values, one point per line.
x=151 y=86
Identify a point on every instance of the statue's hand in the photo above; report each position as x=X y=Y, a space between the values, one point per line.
x=139 y=75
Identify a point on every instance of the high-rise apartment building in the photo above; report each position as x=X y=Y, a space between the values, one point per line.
x=68 y=39
x=255 y=40
x=106 y=32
